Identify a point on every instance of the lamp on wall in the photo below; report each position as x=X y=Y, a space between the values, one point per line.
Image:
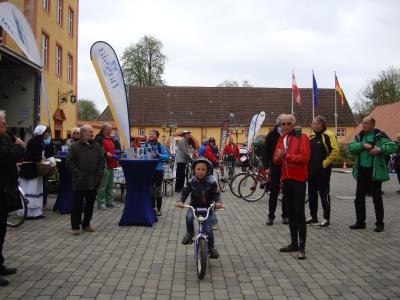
x=63 y=97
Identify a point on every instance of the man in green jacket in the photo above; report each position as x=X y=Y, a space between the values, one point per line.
x=370 y=169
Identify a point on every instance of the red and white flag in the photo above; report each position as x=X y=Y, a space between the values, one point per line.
x=295 y=90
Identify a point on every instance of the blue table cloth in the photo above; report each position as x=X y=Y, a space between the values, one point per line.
x=65 y=195
x=138 y=209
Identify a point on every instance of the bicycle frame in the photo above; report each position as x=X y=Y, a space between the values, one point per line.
x=200 y=219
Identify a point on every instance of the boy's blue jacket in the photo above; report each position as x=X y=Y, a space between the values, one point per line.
x=164 y=154
x=202 y=149
x=203 y=192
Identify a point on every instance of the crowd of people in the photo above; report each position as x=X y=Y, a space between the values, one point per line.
x=293 y=163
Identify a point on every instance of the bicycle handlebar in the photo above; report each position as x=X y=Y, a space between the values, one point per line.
x=194 y=210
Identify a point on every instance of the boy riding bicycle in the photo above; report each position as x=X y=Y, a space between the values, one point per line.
x=203 y=190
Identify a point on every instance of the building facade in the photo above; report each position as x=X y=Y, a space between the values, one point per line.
x=54 y=24
x=205 y=110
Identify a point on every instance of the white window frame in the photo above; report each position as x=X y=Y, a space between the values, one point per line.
x=59 y=16
x=45 y=50
x=142 y=132
x=70 y=66
x=341 y=132
x=58 y=60
x=70 y=21
x=45 y=5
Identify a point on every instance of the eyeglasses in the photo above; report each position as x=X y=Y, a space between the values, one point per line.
x=288 y=123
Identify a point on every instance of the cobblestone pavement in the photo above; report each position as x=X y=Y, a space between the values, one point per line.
x=151 y=263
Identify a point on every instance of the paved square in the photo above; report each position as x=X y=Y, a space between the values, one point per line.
x=151 y=263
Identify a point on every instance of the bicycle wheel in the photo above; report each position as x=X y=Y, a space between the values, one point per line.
x=221 y=183
x=250 y=188
x=234 y=183
x=231 y=172
x=201 y=258
x=15 y=219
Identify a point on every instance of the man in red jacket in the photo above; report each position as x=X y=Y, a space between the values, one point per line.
x=293 y=153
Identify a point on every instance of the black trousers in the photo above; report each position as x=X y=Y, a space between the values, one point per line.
x=365 y=184
x=156 y=189
x=274 y=192
x=83 y=199
x=319 y=183
x=295 y=194
x=180 y=177
x=3 y=230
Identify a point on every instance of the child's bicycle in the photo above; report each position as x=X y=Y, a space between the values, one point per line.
x=201 y=239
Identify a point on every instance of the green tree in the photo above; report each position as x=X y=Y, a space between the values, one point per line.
x=234 y=83
x=143 y=63
x=383 y=90
x=87 y=110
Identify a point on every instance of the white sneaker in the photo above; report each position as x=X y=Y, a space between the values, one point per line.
x=216 y=227
x=325 y=223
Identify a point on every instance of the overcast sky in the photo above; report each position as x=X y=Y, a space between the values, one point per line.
x=209 y=41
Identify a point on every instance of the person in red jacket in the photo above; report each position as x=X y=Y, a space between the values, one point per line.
x=292 y=152
x=211 y=152
x=231 y=153
x=231 y=149
x=105 y=190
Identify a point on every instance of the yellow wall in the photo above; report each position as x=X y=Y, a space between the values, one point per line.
x=42 y=21
x=46 y=22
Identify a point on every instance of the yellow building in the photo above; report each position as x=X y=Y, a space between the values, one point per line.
x=204 y=110
x=55 y=26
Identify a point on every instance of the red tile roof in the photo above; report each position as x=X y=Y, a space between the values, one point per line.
x=387 y=119
x=211 y=106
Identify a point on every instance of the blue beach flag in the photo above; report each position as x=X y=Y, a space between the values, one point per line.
x=315 y=90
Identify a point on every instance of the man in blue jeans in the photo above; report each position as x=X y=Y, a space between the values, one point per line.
x=203 y=190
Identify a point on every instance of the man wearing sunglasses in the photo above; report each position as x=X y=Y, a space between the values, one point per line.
x=292 y=152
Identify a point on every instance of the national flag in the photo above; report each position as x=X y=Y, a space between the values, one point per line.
x=339 y=91
x=295 y=90
x=315 y=91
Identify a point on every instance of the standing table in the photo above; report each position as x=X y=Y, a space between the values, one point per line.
x=65 y=194
x=138 y=209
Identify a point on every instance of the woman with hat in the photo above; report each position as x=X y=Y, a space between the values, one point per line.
x=30 y=182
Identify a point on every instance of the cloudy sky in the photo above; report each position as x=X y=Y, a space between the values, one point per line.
x=209 y=41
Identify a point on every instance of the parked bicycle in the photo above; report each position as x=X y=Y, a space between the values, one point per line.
x=253 y=186
x=221 y=180
x=234 y=182
x=201 y=239
x=16 y=218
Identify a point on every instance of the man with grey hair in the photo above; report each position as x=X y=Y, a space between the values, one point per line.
x=292 y=152
x=85 y=160
x=324 y=150
x=274 y=172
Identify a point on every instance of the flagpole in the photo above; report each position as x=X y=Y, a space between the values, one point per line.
x=292 y=101
x=335 y=107
x=312 y=99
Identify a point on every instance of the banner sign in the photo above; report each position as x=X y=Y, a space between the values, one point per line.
x=252 y=127
x=15 y=24
x=260 y=120
x=224 y=133
x=109 y=71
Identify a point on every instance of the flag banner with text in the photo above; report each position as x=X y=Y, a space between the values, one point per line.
x=252 y=127
x=109 y=71
x=260 y=120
